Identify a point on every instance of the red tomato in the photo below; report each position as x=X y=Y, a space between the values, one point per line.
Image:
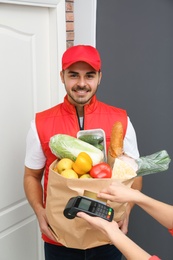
x=101 y=170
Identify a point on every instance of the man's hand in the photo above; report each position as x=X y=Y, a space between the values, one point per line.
x=123 y=224
x=43 y=223
x=34 y=194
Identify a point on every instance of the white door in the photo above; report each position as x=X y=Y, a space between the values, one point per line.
x=32 y=39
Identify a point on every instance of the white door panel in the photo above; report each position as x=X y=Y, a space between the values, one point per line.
x=16 y=243
x=30 y=52
x=26 y=45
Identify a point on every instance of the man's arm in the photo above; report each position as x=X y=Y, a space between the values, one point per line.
x=34 y=193
x=137 y=185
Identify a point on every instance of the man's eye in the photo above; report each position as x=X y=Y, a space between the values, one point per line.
x=73 y=75
x=90 y=76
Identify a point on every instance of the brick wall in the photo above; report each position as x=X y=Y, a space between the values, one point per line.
x=69 y=23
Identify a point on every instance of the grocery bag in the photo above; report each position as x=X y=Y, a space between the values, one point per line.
x=76 y=233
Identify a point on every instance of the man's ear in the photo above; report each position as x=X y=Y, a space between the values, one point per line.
x=62 y=76
x=100 y=77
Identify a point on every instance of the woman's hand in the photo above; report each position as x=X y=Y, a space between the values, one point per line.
x=103 y=225
x=118 y=192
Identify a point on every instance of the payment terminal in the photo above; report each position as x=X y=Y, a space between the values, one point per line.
x=89 y=206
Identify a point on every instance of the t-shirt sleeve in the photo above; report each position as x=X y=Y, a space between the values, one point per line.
x=130 y=141
x=171 y=231
x=34 y=157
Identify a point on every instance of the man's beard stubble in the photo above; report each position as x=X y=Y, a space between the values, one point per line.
x=80 y=101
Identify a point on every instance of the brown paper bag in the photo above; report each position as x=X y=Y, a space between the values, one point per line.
x=76 y=233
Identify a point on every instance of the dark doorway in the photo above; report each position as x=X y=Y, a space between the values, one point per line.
x=135 y=39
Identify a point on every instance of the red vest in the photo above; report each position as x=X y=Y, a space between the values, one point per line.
x=63 y=119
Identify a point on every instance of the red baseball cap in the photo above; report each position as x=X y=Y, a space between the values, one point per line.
x=85 y=53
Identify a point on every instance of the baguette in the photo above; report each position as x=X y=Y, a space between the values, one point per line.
x=116 y=143
x=116 y=140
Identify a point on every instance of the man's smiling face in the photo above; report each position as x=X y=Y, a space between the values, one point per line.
x=81 y=82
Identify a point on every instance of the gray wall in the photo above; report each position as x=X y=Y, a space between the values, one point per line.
x=135 y=39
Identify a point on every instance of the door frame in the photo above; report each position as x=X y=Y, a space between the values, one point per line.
x=48 y=3
x=85 y=22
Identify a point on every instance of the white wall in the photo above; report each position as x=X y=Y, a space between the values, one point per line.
x=85 y=22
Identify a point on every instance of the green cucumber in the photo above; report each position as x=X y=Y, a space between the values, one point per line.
x=91 y=139
x=99 y=146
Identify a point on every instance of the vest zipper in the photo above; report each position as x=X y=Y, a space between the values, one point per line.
x=80 y=126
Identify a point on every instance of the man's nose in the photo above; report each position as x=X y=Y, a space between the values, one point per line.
x=82 y=81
